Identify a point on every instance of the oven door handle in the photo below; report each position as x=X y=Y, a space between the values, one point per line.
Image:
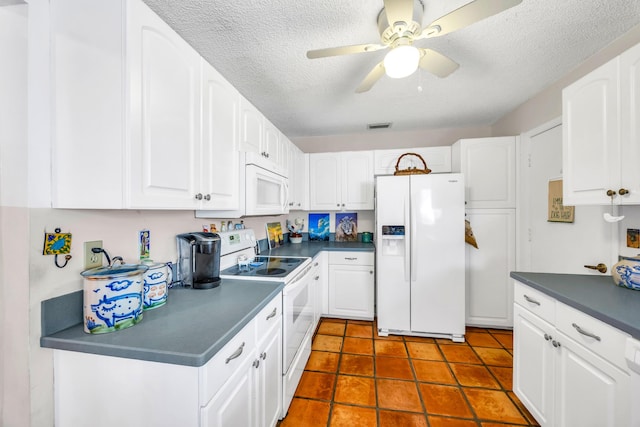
x=297 y=281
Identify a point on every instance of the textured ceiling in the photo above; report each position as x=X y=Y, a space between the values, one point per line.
x=260 y=47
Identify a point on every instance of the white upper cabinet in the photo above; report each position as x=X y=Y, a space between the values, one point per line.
x=298 y=178
x=264 y=144
x=164 y=74
x=489 y=168
x=251 y=128
x=601 y=130
x=135 y=140
x=339 y=181
x=220 y=130
x=438 y=159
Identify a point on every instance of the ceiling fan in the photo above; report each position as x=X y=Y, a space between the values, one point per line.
x=399 y=24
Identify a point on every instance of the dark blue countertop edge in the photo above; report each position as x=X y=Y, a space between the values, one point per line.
x=597 y=296
x=124 y=343
x=62 y=328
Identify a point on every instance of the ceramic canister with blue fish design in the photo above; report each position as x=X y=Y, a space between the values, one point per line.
x=626 y=272
x=156 y=284
x=112 y=297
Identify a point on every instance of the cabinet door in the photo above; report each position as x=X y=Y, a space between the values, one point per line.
x=292 y=155
x=164 y=73
x=269 y=378
x=284 y=148
x=488 y=165
x=251 y=127
x=590 y=139
x=357 y=180
x=271 y=143
x=589 y=390
x=234 y=403
x=533 y=364
x=324 y=181
x=351 y=291
x=220 y=177
x=302 y=181
x=630 y=125
x=489 y=287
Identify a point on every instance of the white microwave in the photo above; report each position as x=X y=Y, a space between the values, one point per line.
x=266 y=192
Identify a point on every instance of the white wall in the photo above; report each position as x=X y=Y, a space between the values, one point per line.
x=388 y=138
x=14 y=227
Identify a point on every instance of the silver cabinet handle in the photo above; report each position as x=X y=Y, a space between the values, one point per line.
x=263 y=355
x=531 y=300
x=317 y=278
x=555 y=343
x=351 y=258
x=315 y=265
x=273 y=313
x=199 y=196
x=547 y=337
x=256 y=363
x=586 y=333
x=207 y=196
x=235 y=354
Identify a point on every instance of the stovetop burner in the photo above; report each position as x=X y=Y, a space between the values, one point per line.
x=266 y=268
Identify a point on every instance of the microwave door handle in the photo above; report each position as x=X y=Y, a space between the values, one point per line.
x=284 y=189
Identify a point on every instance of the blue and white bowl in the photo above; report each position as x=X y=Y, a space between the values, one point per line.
x=626 y=272
x=112 y=297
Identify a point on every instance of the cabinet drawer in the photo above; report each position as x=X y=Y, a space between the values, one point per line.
x=221 y=366
x=597 y=336
x=268 y=317
x=351 y=258
x=535 y=301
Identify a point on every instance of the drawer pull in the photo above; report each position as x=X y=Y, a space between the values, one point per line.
x=547 y=337
x=586 y=333
x=235 y=354
x=273 y=313
x=531 y=300
x=555 y=343
x=351 y=258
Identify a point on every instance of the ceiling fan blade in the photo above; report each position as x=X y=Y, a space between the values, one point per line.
x=398 y=11
x=372 y=78
x=344 y=50
x=437 y=63
x=466 y=15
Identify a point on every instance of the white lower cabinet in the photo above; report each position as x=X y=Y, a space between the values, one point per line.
x=568 y=368
x=240 y=386
x=319 y=277
x=351 y=285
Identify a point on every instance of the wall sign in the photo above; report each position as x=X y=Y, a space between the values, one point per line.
x=557 y=211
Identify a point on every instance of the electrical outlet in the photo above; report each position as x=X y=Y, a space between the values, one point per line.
x=92 y=260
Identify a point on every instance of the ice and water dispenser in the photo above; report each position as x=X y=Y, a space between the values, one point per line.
x=393 y=242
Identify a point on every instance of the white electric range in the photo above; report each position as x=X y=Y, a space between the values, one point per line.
x=239 y=260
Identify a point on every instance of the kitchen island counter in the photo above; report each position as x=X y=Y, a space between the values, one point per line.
x=597 y=296
x=189 y=329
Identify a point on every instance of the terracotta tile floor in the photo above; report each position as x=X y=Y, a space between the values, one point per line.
x=356 y=378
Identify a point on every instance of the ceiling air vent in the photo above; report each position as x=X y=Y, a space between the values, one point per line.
x=374 y=126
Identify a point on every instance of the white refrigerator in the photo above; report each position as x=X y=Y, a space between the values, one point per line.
x=420 y=258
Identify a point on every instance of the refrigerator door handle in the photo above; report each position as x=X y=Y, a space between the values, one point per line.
x=412 y=246
x=407 y=243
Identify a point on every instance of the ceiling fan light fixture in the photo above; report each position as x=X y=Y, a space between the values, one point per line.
x=401 y=61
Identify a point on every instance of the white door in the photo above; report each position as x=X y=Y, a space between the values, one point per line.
x=357 y=180
x=324 y=181
x=533 y=364
x=437 y=254
x=165 y=113
x=393 y=271
x=219 y=155
x=554 y=247
x=351 y=290
x=489 y=287
x=591 y=392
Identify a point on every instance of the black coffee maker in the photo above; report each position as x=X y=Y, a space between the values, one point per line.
x=199 y=259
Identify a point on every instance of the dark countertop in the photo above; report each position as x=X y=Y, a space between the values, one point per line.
x=311 y=248
x=597 y=296
x=189 y=329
